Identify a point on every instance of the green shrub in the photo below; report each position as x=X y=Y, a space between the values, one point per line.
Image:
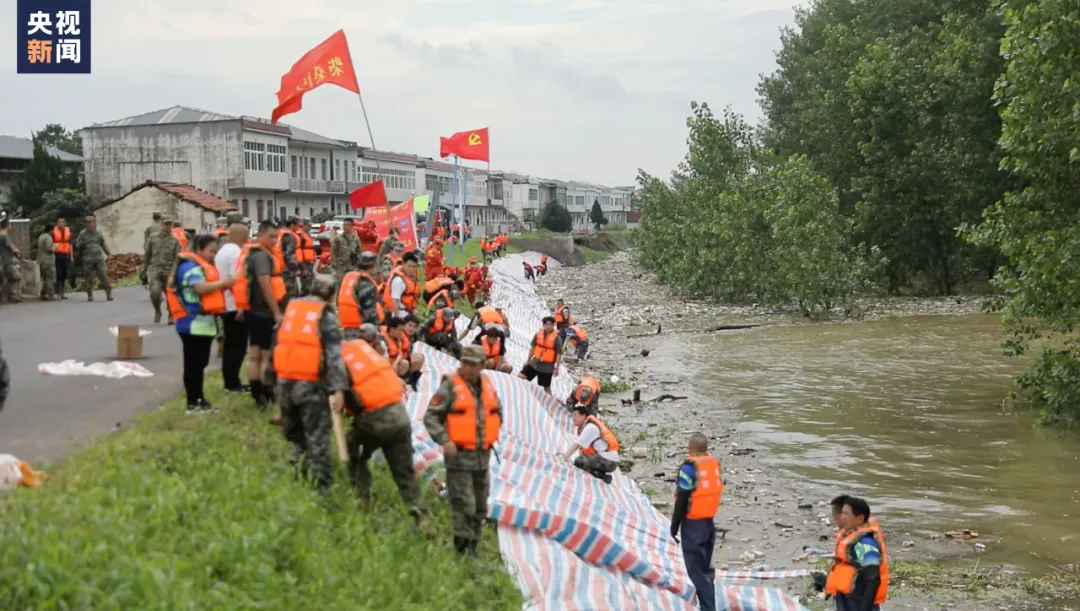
x=203 y=512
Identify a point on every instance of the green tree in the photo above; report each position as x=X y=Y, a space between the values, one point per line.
x=1037 y=224
x=58 y=136
x=71 y=204
x=43 y=174
x=556 y=218
x=596 y=215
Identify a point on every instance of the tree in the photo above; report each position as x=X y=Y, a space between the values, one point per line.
x=556 y=218
x=43 y=174
x=58 y=136
x=596 y=215
x=71 y=204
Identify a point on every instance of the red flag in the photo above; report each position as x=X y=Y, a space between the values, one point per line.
x=467 y=145
x=329 y=62
x=368 y=196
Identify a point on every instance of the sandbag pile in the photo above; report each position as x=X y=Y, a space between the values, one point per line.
x=123 y=266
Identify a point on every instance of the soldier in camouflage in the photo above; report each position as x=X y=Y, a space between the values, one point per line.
x=289 y=245
x=10 y=276
x=388 y=429
x=161 y=251
x=90 y=252
x=466 y=447
x=152 y=228
x=305 y=405
x=397 y=250
x=366 y=293
x=46 y=259
x=344 y=250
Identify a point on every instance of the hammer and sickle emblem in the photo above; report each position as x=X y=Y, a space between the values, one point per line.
x=474 y=139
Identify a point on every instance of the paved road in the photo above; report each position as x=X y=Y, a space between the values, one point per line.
x=46 y=416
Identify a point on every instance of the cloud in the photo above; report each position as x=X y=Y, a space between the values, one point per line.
x=586 y=89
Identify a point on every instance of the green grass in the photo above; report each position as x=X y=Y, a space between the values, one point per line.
x=203 y=512
x=593 y=256
x=472 y=249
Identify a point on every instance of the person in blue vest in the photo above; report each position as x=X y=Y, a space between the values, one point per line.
x=697 y=499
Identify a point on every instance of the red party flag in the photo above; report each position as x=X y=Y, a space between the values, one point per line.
x=329 y=62
x=368 y=196
x=467 y=145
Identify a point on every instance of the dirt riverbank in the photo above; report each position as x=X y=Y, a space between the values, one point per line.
x=773 y=521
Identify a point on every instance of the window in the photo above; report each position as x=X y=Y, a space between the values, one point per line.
x=294 y=167
x=579 y=200
x=297 y=210
x=534 y=194
x=275 y=158
x=254 y=156
x=337 y=169
x=311 y=172
x=322 y=166
x=311 y=211
x=605 y=201
x=244 y=207
x=394 y=179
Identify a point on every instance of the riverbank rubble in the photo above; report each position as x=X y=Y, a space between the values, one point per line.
x=769 y=520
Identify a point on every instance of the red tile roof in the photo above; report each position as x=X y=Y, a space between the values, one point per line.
x=192 y=195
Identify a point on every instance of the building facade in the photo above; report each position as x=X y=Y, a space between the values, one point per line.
x=15 y=156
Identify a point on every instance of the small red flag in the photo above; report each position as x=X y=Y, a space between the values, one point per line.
x=467 y=145
x=329 y=62
x=368 y=196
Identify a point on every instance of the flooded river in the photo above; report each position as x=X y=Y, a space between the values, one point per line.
x=907 y=412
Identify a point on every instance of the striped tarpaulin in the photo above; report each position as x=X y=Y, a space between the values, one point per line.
x=570 y=540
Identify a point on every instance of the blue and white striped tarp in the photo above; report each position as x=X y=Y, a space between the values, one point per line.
x=571 y=541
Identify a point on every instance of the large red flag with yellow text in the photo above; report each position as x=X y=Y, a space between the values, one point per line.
x=329 y=62
x=467 y=145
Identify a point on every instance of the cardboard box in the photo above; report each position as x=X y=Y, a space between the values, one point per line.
x=128 y=343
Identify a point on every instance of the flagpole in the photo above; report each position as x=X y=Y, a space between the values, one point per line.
x=464 y=196
x=453 y=202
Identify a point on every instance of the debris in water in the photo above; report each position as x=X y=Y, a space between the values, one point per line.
x=741 y=451
x=965 y=533
x=909 y=544
x=806 y=505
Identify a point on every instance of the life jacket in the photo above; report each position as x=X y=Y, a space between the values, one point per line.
x=579 y=335
x=605 y=434
x=484 y=244
x=543 y=260
x=278 y=251
x=461 y=420
x=409 y=298
x=492 y=348
x=544 y=347
x=587 y=382
x=62 y=239
x=373 y=379
x=220 y=232
x=181 y=235
x=563 y=320
x=490 y=315
x=348 y=309
x=395 y=347
x=437 y=284
x=305 y=252
x=243 y=286
x=298 y=350
x=844 y=569
x=209 y=303
x=705 y=499
x=441 y=324
x=447 y=298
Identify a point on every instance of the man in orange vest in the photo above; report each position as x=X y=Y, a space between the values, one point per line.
x=310 y=378
x=859 y=575
x=440 y=333
x=379 y=420
x=464 y=417
x=287 y=251
x=587 y=393
x=545 y=354
x=305 y=255
x=699 y=487
x=598 y=446
x=62 y=240
x=579 y=339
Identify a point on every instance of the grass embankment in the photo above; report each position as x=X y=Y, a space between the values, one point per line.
x=204 y=512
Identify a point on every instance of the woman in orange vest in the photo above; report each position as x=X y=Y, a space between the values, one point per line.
x=545 y=355
x=697 y=499
x=598 y=447
x=61 y=235
x=494 y=345
x=859 y=575
x=195 y=295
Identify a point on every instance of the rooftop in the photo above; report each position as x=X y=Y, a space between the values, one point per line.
x=12 y=147
x=192 y=195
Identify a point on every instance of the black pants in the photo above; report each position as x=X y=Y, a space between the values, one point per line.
x=196 y=358
x=698 y=538
x=62 y=264
x=234 y=351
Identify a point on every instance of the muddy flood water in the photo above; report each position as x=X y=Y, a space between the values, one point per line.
x=906 y=412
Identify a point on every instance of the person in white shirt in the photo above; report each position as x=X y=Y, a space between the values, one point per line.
x=236 y=337
x=409 y=265
x=598 y=447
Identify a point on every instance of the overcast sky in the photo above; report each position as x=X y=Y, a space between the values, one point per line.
x=571 y=89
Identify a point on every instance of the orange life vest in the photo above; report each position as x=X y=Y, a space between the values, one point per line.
x=395 y=347
x=409 y=298
x=374 y=380
x=441 y=324
x=605 y=434
x=62 y=239
x=587 y=382
x=579 y=335
x=437 y=284
x=461 y=420
x=181 y=235
x=844 y=569
x=705 y=499
x=220 y=232
x=489 y=315
x=298 y=351
x=278 y=251
x=560 y=319
x=209 y=303
x=305 y=251
x=243 y=286
x=543 y=260
x=492 y=348
x=448 y=299
x=544 y=347
x=348 y=309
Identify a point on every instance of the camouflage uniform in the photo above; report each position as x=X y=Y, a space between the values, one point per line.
x=447 y=341
x=344 y=253
x=158 y=260
x=467 y=479
x=305 y=406
x=291 y=273
x=91 y=252
x=10 y=276
x=46 y=259
x=390 y=430
x=5 y=380
x=151 y=229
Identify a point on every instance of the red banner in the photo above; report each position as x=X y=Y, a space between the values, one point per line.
x=400 y=216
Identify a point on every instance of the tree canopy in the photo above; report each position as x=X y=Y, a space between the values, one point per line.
x=554 y=217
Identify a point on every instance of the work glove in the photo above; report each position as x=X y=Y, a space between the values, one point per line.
x=675 y=533
x=819 y=580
